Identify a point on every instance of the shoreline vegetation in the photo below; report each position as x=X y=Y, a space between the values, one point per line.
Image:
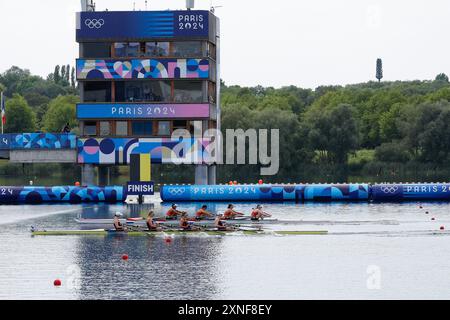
x=369 y=132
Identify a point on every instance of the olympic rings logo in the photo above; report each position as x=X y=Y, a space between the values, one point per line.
x=176 y=191
x=94 y=23
x=389 y=189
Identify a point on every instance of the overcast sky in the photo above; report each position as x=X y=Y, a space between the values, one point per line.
x=272 y=43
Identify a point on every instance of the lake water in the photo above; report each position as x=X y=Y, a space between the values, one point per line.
x=372 y=251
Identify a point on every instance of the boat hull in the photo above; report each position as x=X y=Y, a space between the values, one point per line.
x=101 y=232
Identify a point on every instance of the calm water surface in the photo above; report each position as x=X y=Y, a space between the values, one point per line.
x=373 y=251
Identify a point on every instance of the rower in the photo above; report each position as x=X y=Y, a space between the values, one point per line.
x=151 y=225
x=185 y=225
x=220 y=224
x=230 y=213
x=202 y=213
x=259 y=214
x=173 y=213
x=117 y=224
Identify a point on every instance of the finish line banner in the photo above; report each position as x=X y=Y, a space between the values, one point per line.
x=142 y=111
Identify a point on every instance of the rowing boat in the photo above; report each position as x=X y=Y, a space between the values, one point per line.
x=234 y=222
x=141 y=222
x=103 y=232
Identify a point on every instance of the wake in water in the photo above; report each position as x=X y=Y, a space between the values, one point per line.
x=27 y=213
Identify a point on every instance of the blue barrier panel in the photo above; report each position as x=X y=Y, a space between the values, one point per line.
x=70 y=194
x=47 y=141
x=325 y=192
x=410 y=192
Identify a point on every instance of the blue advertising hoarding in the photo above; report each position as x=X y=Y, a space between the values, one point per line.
x=142 y=111
x=142 y=25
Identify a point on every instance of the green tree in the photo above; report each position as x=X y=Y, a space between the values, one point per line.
x=56 y=74
x=334 y=132
x=434 y=140
x=442 y=77
x=392 y=152
x=72 y=78
x=63 y=73
x=379 y=74
x=67 y=78
x=36 y=99
x=19 y=116
x=61 y=110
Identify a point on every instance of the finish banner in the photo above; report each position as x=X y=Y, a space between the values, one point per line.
x=142 y=111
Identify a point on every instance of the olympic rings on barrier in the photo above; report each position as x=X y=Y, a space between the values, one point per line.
x=176 y=191
x=94 y=23
x=389 y=189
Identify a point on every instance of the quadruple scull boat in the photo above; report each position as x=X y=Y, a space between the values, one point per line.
x=234 y=222
x=106 y=232
x=168 y=222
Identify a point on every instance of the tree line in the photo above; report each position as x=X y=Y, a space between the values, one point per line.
x=364 y=128
x=37 y=104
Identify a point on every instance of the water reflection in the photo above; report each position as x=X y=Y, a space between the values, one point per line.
x=184 y=268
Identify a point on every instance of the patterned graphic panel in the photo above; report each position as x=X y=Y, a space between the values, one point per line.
x=42 y=141
x=143 y=69
x=347 y=192
x=71 y=194
x=162 y=150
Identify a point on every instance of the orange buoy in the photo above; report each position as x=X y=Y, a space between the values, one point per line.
x=57 y=283
x=235 y=182
x=77 y=184
x=125 y=257
x=230 y=183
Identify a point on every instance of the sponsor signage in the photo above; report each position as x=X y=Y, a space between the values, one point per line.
x=142 y=24
x=4 y=141
x=136 y=188
x=142 y=111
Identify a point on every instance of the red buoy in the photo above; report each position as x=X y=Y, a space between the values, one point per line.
x=125 y=257
x=168 y=239
x=230 y=183
x=77 y=184
x=442 y=228
x=235 y=182
x=260 y=181
x=57 y=283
